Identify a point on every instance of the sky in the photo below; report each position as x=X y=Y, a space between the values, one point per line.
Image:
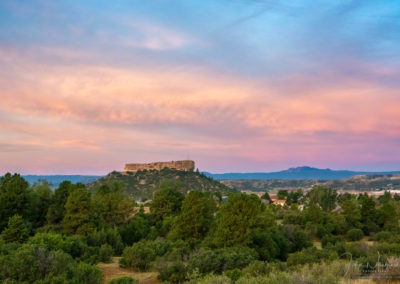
x=237 y=86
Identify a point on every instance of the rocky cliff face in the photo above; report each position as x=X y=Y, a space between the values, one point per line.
x=184 y=165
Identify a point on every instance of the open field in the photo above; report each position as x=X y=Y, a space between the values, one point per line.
x=112 y=270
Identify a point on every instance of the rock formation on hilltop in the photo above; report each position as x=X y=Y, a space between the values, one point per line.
x=184 y=165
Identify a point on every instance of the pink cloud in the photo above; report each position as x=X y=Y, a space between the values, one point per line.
x=105 y=115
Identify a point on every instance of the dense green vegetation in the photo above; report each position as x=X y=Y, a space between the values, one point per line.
x=358 y=183
x=142 y=184
x=193 y=236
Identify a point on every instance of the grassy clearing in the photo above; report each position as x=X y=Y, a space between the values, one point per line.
x=112 y=270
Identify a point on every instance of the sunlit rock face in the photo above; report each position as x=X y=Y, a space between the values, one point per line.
x=184 y=165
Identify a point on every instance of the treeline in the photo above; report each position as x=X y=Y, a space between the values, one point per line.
x=58 y=236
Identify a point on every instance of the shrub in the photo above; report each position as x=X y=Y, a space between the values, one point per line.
x=205 y=261
x=355 y=234
x=237 y=257
x=139 y=255
x=124 y=280
x=86 y=273
x=212 y=279
x=106 y=236
x=217 y=261
x=234 y=274
x=331 y=240
x=172 y=272
x=257 y=268
x=382 y=236
x=105 y=253
x=16 y=230
x=311 y=255
x=31 y=263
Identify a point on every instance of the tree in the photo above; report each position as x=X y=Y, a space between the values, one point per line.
x=355 y=235
x=139 y=255
x=77 y=218
x=16 y=230
x=322 y=196
x=387 y=216
x=352 y=213
x=266 y=197
x=237 y=220
x=111 y=205
x=138 y=228
x=282 y=194
x=368 y=214
x=56 y=211
x=14 y=198
x=167 y=200
x=41 y=202
x=294 y=197
x=196 y=216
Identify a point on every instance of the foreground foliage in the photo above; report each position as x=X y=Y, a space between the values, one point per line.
x=60 y=235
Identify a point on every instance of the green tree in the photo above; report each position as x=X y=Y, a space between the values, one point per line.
x=138 y=228
x=167 y=200
x=369 y=214
x=111 y=205
x=41 y=201
x=294 y=197
x=322 y=196
x=77 y=218
x=56 y=211
x=14 y=198
x=139 y=255
x=266 y=197
x=351 y=212
x=282 y=194
x=16 y=230
x=196 y=216
x=237 y=220
x=355 y=235
x=387 y=216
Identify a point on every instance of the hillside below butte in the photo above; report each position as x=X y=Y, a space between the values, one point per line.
x=143 y=183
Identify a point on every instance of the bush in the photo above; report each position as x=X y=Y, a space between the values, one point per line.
x=382 y=236
x=234 y=274
x=106 y=236
x=31 y=263
x=105 y=253
x=172 y=273
x=138 y=228
x=124 y=280
x=86 y=273
x=16 y=230
x=331 y=240
x=355 y=235
x=310 y=255
x=237 y=257
x=139 y=255
x=205 y=261
x=257 y=268
x=212 y=279
x=217 y=261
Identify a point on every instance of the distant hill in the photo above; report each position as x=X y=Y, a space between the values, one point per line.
x=299 y=173
x=142 y=184
x=55 y=180
x=361 y=183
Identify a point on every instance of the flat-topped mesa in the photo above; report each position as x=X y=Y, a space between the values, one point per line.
x=184 y=165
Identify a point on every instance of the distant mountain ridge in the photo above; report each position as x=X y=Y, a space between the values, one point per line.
x=55 y=180
x=298 y=173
